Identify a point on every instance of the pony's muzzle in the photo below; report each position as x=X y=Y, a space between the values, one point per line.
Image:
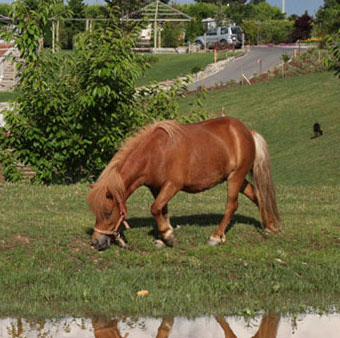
x=101 y=242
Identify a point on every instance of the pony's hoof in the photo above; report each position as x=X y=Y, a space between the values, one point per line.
x=271 y=230
x=214 y=241
x=159 y=243
x=170 y=240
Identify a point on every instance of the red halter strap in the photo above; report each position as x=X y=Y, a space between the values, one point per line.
x=114 y=229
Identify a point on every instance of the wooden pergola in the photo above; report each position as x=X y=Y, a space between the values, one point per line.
x=157 y=12
x=56 y=27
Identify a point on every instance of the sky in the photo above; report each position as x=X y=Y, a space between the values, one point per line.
x=292 y=6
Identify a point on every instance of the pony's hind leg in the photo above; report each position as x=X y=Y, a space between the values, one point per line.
x=234 y=184
x=249 y=190
x=159 y=210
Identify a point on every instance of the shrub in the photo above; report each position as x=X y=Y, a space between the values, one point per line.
x=74 y=109
x=275 y=31
x=333 y=61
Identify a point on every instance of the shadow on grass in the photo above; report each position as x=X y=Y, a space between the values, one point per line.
x=201 y=220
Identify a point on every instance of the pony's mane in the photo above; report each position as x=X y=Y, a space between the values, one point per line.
x=172 y=128
x=110 y=179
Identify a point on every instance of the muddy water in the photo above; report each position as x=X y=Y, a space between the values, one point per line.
x=267 y=326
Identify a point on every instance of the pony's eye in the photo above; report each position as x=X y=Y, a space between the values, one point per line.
x=108 y=213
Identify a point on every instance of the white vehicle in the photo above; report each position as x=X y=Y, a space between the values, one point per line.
x=221 y=36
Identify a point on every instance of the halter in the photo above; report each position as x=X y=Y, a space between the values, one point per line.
x=114 y=229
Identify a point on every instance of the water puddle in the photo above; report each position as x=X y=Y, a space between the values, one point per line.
x=267 y=326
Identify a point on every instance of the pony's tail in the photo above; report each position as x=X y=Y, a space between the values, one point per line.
x=265 y=192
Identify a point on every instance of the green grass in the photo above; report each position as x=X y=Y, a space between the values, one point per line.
x=47 y=267
x=284 y=112
x=170 y=66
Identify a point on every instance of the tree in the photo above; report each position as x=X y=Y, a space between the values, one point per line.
x=126 y=7
x=223 y=2
x=302 y=27
x=333 y=62
x=197 y=11
x=264 y=12
x=256 y=2
x=73 y=28
x=328 y=17
x=239 y=12
x=74 y=110
x=5 y=9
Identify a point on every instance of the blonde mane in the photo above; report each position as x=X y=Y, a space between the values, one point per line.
x=110 y=179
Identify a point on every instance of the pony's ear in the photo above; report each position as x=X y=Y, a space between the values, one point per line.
x=108 y=194
x=91 y=186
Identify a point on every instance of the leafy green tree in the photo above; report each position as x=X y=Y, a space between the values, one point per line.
x=256 y=2
x=224 y=2
x=5 y=9
x=333 y=62
x=239 y=12
x=264 y=12
x=71 y=28
x=126 y=7
x=197 y=11
x=74 y=110
x=172 y=34
x=95 y=11
x=328 y=17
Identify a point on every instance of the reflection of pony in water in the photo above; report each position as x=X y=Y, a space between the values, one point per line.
x=168 y=157
x=267 y=329
x=109 y=329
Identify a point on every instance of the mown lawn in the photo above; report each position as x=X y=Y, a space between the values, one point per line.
x=47 y=267
x=170 y=66
x=284 y=112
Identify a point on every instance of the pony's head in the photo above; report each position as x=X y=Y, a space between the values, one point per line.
x=109 y=215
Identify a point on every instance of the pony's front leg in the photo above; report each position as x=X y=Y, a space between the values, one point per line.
x=234 y=183
x=160 y=212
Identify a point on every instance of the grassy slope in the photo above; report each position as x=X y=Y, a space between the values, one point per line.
x=170 y=66
x=47 y=267
x=284 y=112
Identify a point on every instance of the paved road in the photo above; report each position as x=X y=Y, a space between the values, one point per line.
x=247 y=65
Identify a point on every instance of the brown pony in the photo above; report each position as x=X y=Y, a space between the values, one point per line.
x=169 y=157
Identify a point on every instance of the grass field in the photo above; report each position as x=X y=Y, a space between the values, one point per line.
x=284 y=112
x=47 y=267
x=170 y=66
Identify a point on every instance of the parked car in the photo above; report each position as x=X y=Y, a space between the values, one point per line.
x=221 y=36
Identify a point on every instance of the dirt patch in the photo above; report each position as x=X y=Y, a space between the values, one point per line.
x=17 y=240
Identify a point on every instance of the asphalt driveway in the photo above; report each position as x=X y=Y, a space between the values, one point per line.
x=247 y=65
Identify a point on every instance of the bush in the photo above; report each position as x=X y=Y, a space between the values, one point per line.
x=74 y=109
x=333 y=61
x=172 y=34
x=275 y=31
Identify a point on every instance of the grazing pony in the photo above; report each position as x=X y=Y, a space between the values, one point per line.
x=168 y=157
